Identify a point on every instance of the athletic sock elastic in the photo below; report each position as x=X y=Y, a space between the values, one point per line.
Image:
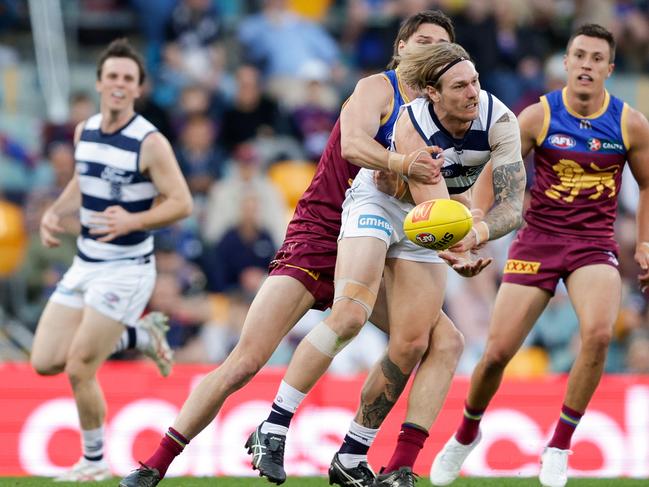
x=286 y=402
x=93 y=444
x=470 y=425
x=127 y=340
x=142 y=339
x=171 y=445
x=568 y=421
x=356 y=444
x=411 y=441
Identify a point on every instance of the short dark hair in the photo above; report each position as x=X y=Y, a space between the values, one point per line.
x=412 y=23
x=122 y=48
x=595 y=30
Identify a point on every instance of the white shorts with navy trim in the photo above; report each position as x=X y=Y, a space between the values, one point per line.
x=119 y=289
x=367 y=212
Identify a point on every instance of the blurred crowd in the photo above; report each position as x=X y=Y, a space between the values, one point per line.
x=247 y=92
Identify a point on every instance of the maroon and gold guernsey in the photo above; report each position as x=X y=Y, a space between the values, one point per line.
x=317 y=214
x=578 y=163
x=308 y=253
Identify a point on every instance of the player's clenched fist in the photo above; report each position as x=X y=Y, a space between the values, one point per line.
x=49 y=228
x=422 y=166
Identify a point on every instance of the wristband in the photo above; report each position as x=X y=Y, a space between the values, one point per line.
x=483 y=236
x=644 y=243
x=396 y=162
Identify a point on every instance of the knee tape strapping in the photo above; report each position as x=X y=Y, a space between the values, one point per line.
x=357 y=292
x=326 y=340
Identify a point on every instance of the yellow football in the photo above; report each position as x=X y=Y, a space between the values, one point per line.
x=438 y=224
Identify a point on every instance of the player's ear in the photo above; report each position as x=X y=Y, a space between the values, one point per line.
x=433 y=94
x=611 y=67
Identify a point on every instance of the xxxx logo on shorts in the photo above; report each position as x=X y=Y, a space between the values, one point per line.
x=422 y=212
x=514 y=266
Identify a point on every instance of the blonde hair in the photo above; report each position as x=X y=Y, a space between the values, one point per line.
x=421 y=66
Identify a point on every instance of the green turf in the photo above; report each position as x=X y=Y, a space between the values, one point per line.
x=320 y=482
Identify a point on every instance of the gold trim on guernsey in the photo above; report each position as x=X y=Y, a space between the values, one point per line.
x=402 y=90
x=313 y=275
x=624 y=128
x=604 y=107
x=386 y=117
x=546 y=121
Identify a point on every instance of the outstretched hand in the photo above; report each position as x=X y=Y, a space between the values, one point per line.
x=463 y=263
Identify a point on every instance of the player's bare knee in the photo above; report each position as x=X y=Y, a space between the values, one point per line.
x=245 y=368
x=597 y=339
x=80 y=368
x=448 y=346
x=46 y=368
x=347 y=318
x=496 y=359
x=406 y=352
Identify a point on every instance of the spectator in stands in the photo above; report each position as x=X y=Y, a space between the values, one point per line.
x=239 y=261
x=252 y=113
x=200 y=160
x=279 y=43
x=314 y=116
x=224 y=203
x=193 y=53
x=149 y=108
x=82 y=106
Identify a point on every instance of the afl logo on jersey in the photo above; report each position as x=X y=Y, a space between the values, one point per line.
x=562 y=141
x=594 y=144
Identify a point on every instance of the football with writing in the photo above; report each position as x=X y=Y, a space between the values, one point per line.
x=438 y=224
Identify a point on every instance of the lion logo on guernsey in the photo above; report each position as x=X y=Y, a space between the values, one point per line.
x=514 y=266
x=575 y=179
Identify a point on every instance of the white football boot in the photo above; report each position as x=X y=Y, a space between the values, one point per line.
x=86 y=471
x=448 y=462
x=554 y=467
x=155 y=324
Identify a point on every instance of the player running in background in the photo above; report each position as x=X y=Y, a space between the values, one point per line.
x=122 y=163
x=302 y=273
x=472 y=127
x=581 y=136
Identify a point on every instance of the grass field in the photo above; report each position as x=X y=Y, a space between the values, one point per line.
x=321 y=482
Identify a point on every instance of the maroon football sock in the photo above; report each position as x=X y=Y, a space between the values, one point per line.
x=171 y=445
x=470 y=425
x=411 y=441
x=568 y=421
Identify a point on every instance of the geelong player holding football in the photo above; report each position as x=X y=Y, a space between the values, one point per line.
x=470 y=127
x=581 y=136
x=302 y=273
x=122 y=164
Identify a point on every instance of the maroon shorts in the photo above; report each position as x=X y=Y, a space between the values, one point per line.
x=540 y=259
x=312 y=265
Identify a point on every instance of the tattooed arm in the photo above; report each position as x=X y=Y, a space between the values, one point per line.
x=508 y=177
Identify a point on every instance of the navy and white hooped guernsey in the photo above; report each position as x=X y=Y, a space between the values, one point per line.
x=108 y=168
x=464 y=158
